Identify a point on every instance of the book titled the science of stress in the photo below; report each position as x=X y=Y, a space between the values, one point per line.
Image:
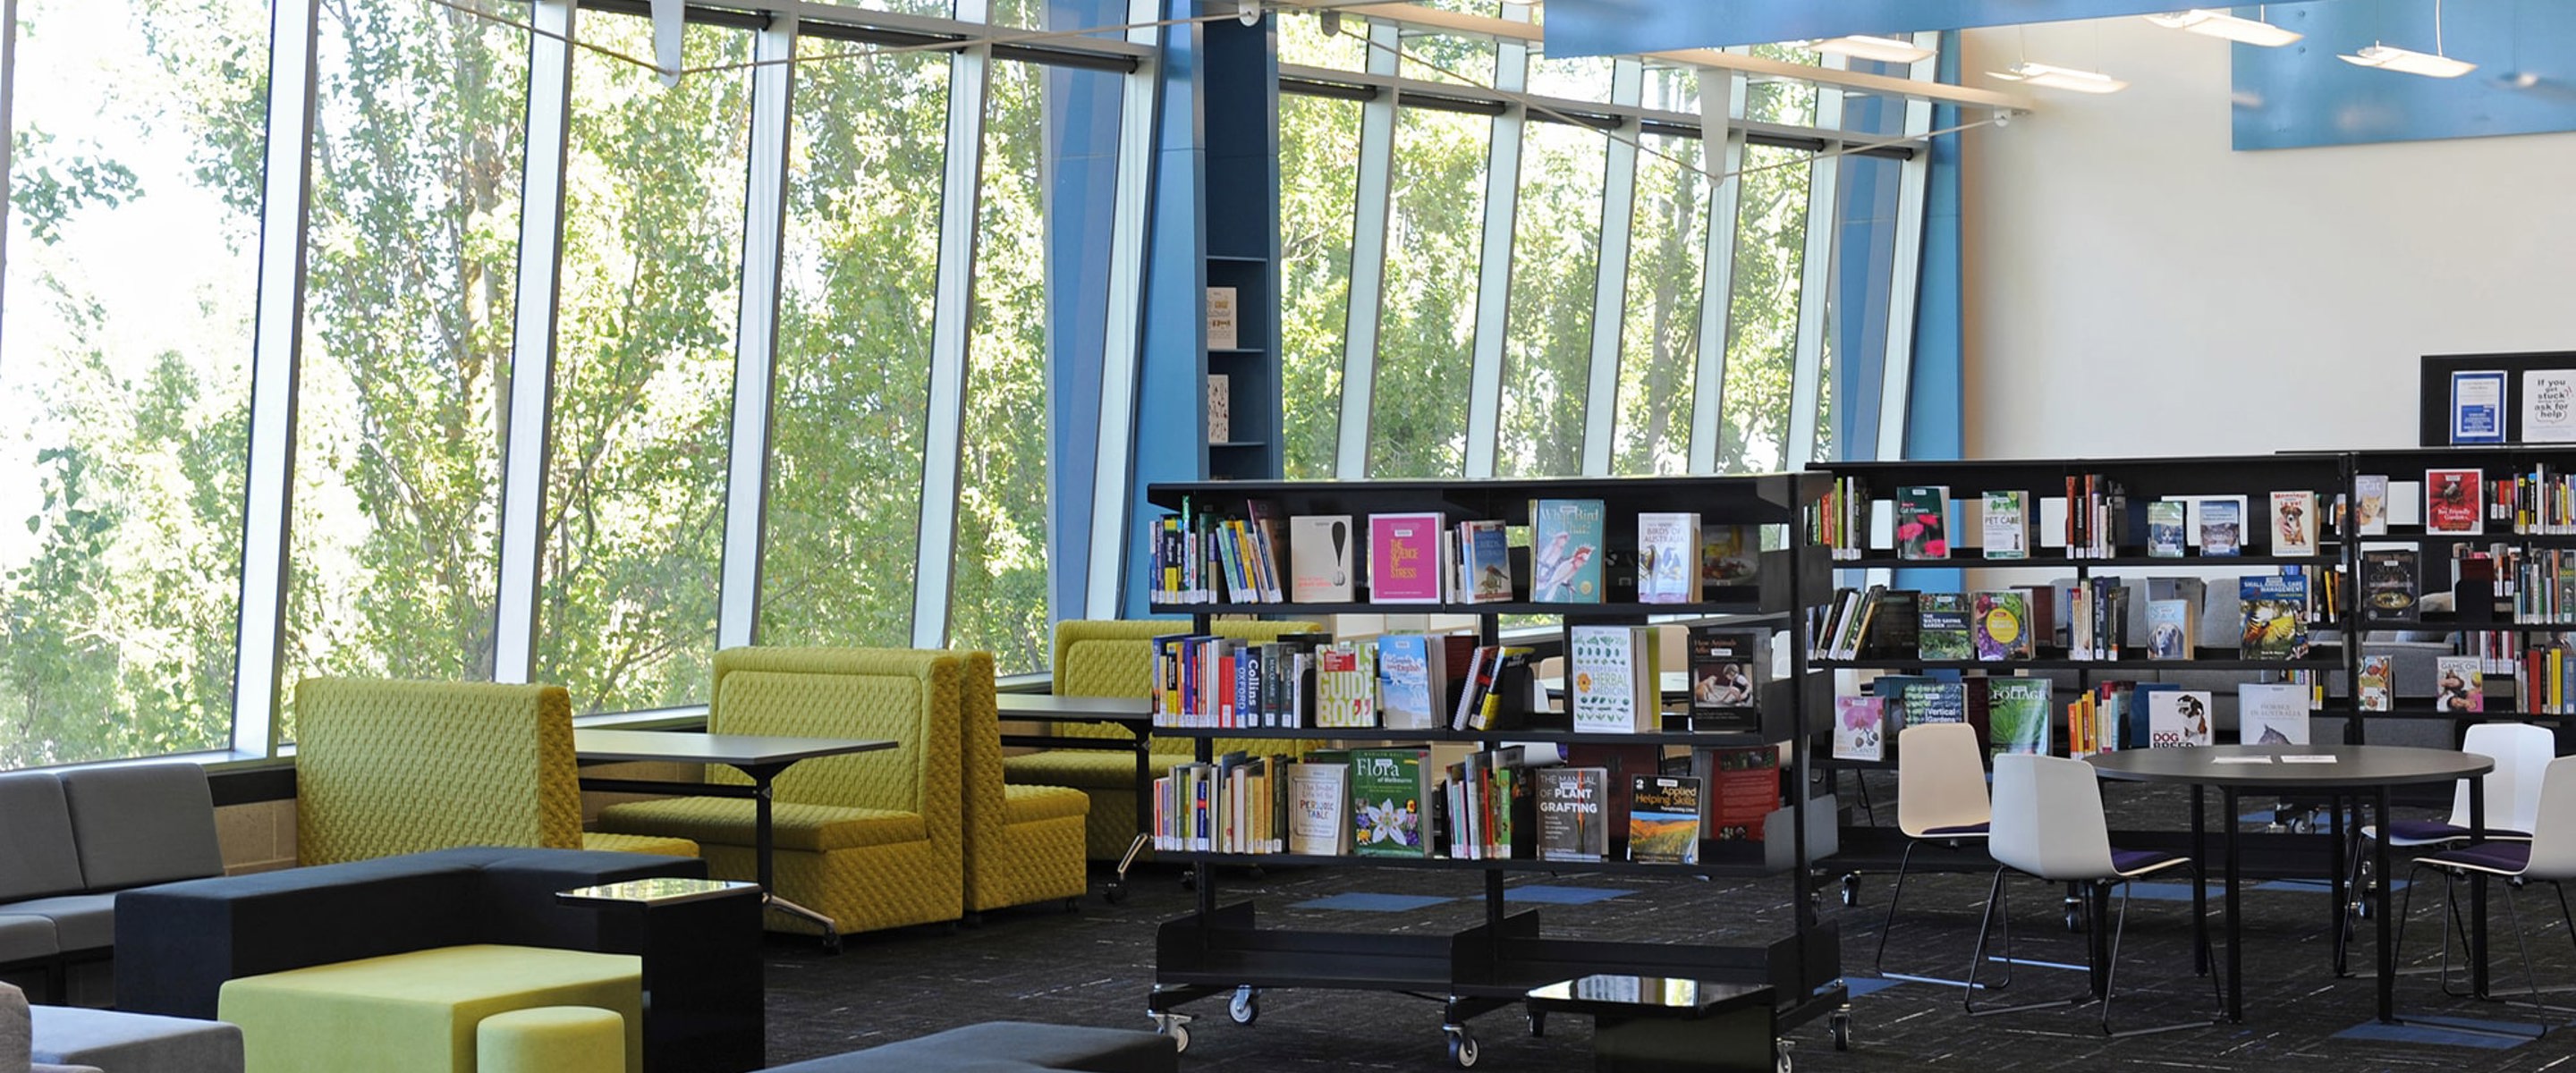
x=1404 y=558
x=2452 y=501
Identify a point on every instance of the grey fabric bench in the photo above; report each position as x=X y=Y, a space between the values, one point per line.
x=70 y=840
x=56 y=1039
x=1009 y=1047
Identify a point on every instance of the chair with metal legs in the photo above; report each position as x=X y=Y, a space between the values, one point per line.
x=1940 y=798
x=2548 y=857
x=2520 y=751
x=2048 y=824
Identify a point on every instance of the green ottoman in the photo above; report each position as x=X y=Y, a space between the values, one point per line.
x=417 y=1012
x=551 y=1039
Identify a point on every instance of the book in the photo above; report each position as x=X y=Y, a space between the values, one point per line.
x=1611 y=683
x=1743 y=788
x=1729 y=555
x=1943 y=629
x=1319 y=559
x=2294 y=523
x=2376 y=688
x=1934 y=702
x=1922 y=522
x=1220 y=408
x=1346 y=684
x=2271 y=713
x=2017 y=715
x=2459 y=684
x=1388 y=790
x=2006 y=525
x=1404 y=558
x=2477 y=406
x=2370 y=504
x=2177 y=717
x=1668 y=566
x=2549 y=406
x=2221 y=526
x=1895 y=628
x=1484 y=562
x=1222 y=319
x=1319 y=808
x=2165 y=520
x=2452 y=501
x=2275 y=616
x=2170 y=629
x=1565 y=550
x=1412 y=680
x=2001 y=625
x=1663 y=819
x=1726 y=673
x=1860 y=728
x=1573 y=817
x=2388 y=583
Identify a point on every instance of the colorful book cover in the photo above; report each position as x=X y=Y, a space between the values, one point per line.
x=2222 y=526
x=1573 y=817
x=2177 y=718
x=2165 y=521
x=1387 y=792
x=2007 y=525
x=1404 y=558
x=1942 y=629
x=1729 y=555
x=1407 y=689
x=2370 y=504
x=1860 y=728
x=1565 y=550
x=2169 y=629
x=1935 y=702
x=2276 y=612
x=2459 y=685
x=2271 y=713
x=1743 y=788
x=1319 y=559
x=2453 y=502
x=2294 y=523
x=2376 y=689
x=1922 y=522
x=1346 y=684
x=1611 y=685
x=1663 y=819
x=2388 y=582
x=1485 y=564
x=1668 y=567
x=2017 y=715
x=2002 y=625
x=1726 y=679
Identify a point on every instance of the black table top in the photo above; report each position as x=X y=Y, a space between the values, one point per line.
x=1049 y=708
x=2354 y=765
x=1622 y=995
x=734 y=749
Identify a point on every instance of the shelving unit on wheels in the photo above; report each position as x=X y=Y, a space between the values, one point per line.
x=1223 y=949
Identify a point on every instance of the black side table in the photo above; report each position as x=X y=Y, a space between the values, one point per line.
x=699 y=939
x=1659 y=1024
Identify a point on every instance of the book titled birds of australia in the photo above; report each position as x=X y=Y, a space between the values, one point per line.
x=1565 y=550
x=1668 y=567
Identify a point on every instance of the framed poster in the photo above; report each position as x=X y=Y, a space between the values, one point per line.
x=2477 y=406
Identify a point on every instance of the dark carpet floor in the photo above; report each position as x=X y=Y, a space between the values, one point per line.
x=1094 y=966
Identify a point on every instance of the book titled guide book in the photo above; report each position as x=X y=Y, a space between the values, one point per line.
x=1663 y=819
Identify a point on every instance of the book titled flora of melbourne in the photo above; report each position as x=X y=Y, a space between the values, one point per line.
x=2002 y=625
x=1922 y=522
x=2007 y=525
x=1663 y=819
x=1404 y=558
x=1942 y=628
x=1566 y=550
x=1573 y=817
x=1387 y=792
x=2165 y=521
x=1668 y=568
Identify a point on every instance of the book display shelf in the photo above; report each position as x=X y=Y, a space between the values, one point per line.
x=1223 y=948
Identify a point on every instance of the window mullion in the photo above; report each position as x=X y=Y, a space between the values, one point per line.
x=1368 y=257
x=1494 y=278
x=953 y=309
x=1610 y=276
x=1913 y=184
x=1815 y=287
x=1723 y=148
x=764 y=227
x=530 y=398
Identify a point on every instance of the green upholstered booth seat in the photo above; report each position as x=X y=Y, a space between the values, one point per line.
x=1086 y=769
x=417 y=1012
x=793 y=826
x=615 y=843
x=551 y=1039
x=1025 y=843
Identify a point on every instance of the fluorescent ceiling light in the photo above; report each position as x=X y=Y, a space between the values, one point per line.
x=2408 y=61
x=2201 y=20
x=2068 y=78
x=1881 y=49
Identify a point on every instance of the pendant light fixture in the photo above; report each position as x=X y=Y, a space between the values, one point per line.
x=1866 y=47
x=2388 y=57
x=2212 y=23
x=2050 y=76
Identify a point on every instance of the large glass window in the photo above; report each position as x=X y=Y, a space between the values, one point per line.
x=133 y=229
x=411 y=264
x=861 y=261
x=644 y=345
x=1318 y=139
x=1427 y=324
x=1659 y=338
x=1556 y=256
x=1762 y=320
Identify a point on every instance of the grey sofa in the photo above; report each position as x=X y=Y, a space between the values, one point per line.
x=56 y=1039
x=1009 y=1047
x=70 y=840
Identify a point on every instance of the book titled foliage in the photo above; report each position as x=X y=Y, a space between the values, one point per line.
x=1668 y=569
x=2222 y=526
x=1319 y=808
x=2002 y=625
x=2169 y=629
x=1729 y=554
x=1565 y=550
x=1725 y=679
x=2276 y=616
x=2017 y=715
x=2370 y=504
x=1942 y=626
x=1922 y=522
x=1611 y=678
x=2271 y=713
x=1860 y=728
x=2459 y=685
x=1388 y=789
x=1404 y=558
x=2388 y=583
x=1573 y=820
x=2452 y=502
x=2294 y=523
x=2007 y=525
x=1484 y=561
x=2165 y=521
x=2375 y=684
x=2177 y=717
x=1663 y=819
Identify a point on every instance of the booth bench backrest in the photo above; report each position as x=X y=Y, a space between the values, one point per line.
x=91 y=830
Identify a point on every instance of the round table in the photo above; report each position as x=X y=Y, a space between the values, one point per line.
x=2353 y=770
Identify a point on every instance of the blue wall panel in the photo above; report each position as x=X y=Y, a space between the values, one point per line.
x=2303 y=95
x=1079 y=182
x=1935 y=412
x=1166 y=438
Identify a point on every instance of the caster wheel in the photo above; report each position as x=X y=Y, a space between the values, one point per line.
x=1180 y=1037
x=1073 y=905
x=1780 y=1056
x=1538 y=1024
x=2362 y=909
x=2074 y=918
x=832 y=946
x=1840 y=1029
x=1246 y=1007
x=1174 y=1025
x=1462 y=1050
x=1851 y=890
x=1114 y=894
x=1190 y=880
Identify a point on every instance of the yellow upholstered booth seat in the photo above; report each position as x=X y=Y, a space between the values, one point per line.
x=551 y=1039
x=417 y=1012
x=391 y=767
x=1116 y=659
x=872 y=840
x=1024 y=843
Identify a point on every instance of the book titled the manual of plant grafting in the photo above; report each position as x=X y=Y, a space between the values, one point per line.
x=1573 y=813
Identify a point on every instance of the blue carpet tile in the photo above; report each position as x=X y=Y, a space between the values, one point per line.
x=1549 y=895
x=1373 y=903
x=1864 y=985
x=2431 y=1030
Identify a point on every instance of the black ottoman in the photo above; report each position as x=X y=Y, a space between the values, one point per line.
x=1009 y=1047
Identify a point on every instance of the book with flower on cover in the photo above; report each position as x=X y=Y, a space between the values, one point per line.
x=1388 y=789
x=2453 y=502
x=1922 y=522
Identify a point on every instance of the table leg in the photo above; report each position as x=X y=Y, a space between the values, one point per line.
x=763 y=849
x=2478 y=891
x=2097 y=901
x=2341 y=910
x=2200 y=887
x=2387 y=953
x=2235 y=934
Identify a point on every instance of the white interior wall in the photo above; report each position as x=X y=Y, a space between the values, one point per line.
x=2135 y=287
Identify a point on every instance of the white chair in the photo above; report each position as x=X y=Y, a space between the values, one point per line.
x=2048 y=825
x=1940 y=798
x=2549 y=856
x=2520 y=752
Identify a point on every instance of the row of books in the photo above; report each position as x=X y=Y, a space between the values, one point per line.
x=1204 y=680
x=2010 y=624
x=1615 y=678
x=2544 y=586
x=1257 y=556
x=2541 y=684
x=2094 y=519
x=1500 y=804
x=2012 y=715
